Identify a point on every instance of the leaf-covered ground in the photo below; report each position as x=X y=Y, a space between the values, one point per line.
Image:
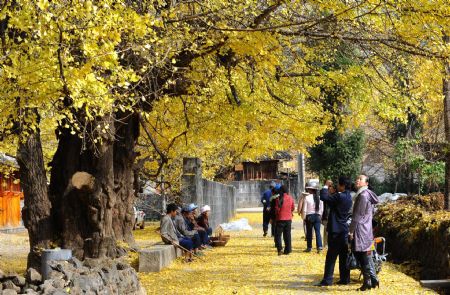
x=249 y=264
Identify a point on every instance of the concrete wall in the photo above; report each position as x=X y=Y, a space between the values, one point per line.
x=249 y=192
x=220 y=197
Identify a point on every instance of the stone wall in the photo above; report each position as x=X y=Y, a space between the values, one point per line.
x=93 y=276
x=249 y=192
x=220 y=197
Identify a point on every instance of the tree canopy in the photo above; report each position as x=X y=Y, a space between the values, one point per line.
x=223 y=80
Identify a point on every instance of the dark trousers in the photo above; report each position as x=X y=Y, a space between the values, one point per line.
x=274 y=233
x=266 y=219
x=367 y=267
x=313 y=221
x=186 y=243
x=337 y=246
x=196 y=240
x=204 y=239
x=284 y=228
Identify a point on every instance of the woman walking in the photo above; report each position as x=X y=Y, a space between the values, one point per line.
x=283 y=212
x=311 y=214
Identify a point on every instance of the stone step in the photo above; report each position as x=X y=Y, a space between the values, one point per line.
x=158 y=257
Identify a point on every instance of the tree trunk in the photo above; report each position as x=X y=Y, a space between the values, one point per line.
x=446 y=89
x=36 y=213
x=82 y=193
x=127 y=133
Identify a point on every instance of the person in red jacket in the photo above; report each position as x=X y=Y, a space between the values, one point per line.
x=282 y=213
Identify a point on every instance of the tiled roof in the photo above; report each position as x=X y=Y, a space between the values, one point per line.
x=8 y=160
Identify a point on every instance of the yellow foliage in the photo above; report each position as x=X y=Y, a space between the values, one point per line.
x=249 y=264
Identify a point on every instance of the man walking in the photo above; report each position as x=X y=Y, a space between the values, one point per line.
x=337 y=229
x=265 y=200
x=361 y=231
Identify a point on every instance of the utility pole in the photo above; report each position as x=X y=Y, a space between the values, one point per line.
x=300 y=173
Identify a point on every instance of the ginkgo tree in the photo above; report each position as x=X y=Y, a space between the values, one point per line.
x=219 y=79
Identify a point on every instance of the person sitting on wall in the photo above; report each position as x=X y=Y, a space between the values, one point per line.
x=193 y=225
x=203 y=222
x=171 y=236
x=181 y=222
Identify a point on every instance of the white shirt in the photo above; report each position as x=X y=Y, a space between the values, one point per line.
x=309 y=207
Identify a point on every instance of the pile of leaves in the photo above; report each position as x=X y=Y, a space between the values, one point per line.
x=417 y=229
x=430 y=202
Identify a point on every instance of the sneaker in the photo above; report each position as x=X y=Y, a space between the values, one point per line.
x=265 y=234
x=319 y=250
x=280 y=253
x=307 y=250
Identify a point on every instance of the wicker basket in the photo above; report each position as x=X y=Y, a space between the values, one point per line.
x=219 y=240
x=219 y=243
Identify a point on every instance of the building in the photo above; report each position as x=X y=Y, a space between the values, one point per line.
x=281 y=163
x=11 y=196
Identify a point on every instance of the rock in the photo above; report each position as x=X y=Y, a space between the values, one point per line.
x=33 y=276
x=76 y=263
x=91 y=282
x=122 y=266
x=60 y=292
x=10 y=276
x=9 y=292
x=31 y=286
x=31 y=292
x=110 y=275
x=59 y=283
x=55 y=275
x=47 y=287
x=19 y=281
x=10 y=285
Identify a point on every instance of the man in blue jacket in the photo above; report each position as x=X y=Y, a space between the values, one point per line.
x=339 y=204
x=265 y=200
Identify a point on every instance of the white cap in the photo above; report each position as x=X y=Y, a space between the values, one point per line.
x=205 y=208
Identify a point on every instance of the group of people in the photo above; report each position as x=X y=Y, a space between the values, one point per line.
x=348 y=215
x=186 y=229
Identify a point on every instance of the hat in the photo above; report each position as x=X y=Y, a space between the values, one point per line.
x=312 y=185
x=277 y=185
x=186 y=209
x=192 y=207
x=205 y=208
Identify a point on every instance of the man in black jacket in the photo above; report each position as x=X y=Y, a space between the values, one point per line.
x=339 y=204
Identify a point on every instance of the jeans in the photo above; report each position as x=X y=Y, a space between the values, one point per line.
x=204 y=239
x=367 y=267
x=284 y=228
x=313 y=221
x=337 y=246
x=186 y=243
x=196 y=240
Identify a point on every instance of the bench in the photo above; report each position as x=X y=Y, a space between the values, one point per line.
x=157 y=257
